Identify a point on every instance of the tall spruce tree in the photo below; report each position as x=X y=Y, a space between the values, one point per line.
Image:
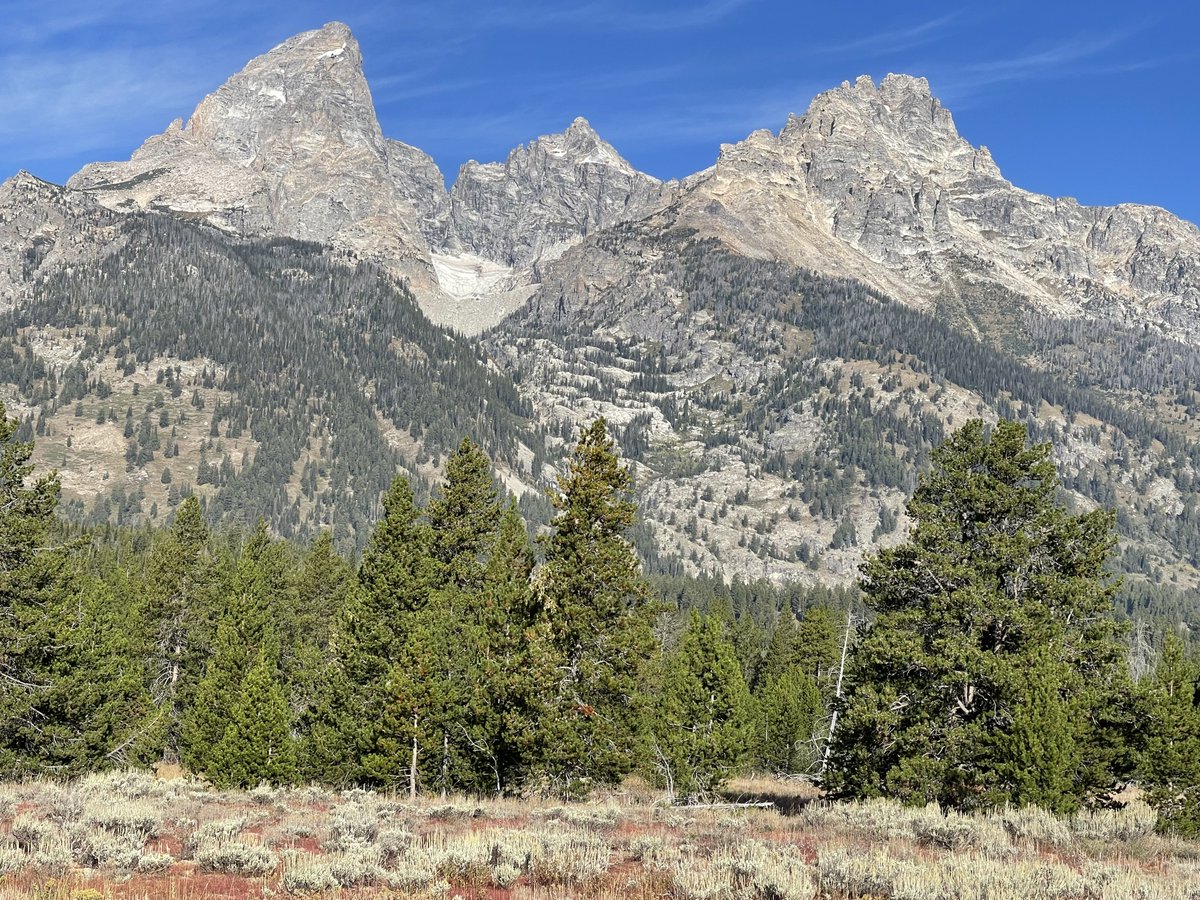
x=395 y=579
x=703 y=725
x=257 y=745
x=448 y=693
x=996 y=581
x=788 y=712
x=503 y=701
x=101 y=713
x=181 y=584
x=463 y=517
x=1170 y=767
x=32 y=595
x=594 y=635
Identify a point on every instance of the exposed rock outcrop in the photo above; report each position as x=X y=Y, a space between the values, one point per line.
x=288 y=146
x=874 y=182
x=547 y=195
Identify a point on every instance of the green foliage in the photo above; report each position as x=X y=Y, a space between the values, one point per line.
x=257 y=745
x=789 y=713
x=32 y=601
x=1170 y=766
x=993 y=623
x=594 y=629
x=704 y=719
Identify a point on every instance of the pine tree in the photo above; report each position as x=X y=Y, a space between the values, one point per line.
x=1170 y=767
x=463 y=518
x=396 y=572
x=425 y=717
x=789 y=711
x=99 y=712
x=450 y=688
x=818 y=645
x=594 y=632
x=32 y=597
x=503 y=699
x=214 y=703
x=323 y=590
x=703 y=724
x=994 y=575
x=182 y=580
x=327 y=586
x=394 y=583
x=257 y=746
x=1037 y=756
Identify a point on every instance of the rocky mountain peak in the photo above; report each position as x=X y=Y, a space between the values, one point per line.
x=263 y=107
x=546 y=195
x=895 y=123
x=874 y=181
x=25 y=185
x=290 y=145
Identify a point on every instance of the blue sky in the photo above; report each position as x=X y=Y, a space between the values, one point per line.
x=1095 y=100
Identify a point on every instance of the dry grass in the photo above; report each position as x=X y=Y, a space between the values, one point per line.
x=132 y=836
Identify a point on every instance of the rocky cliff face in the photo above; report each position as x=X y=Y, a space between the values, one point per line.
x=875 y=182
x=288 y=146
x=547 y=195
x=44 y=227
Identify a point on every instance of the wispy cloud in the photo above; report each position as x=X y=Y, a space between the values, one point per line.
x=893 y=40
x=611 y=16
x=1075 y=56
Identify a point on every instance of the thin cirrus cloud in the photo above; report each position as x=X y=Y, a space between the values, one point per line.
x=893 y=40
x=609 y=16
x=1080 y=55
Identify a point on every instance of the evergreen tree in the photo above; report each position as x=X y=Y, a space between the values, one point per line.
x=257 y=745
x=181 y=582
x=1170 y=768
x=425 y=718
x=1037 y=756
x=594 y=632
x=818 y=645
x=326 y=588
x=214 y=703
x=450 y=688
x=394 y=583
x=503 y=699
x=789 y=712
x=463 y=518
x=396 y=572
x=995 y=581
x=323 y=590
x=99 y=712
x=703 y=724
x=32 y=596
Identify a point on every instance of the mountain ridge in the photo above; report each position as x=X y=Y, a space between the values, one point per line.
x=777 y=340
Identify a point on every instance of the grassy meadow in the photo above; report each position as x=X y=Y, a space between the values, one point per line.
x=129 y=835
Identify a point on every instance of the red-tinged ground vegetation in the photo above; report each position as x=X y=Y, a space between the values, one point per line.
x=133 y=837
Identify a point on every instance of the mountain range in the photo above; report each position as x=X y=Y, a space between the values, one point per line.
x=274 y=305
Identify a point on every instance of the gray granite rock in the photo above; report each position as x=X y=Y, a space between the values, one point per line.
x=874 y=182
x=547 y=195
x=288 y=146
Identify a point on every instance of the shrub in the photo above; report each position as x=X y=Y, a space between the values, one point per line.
x=154 y=862
x=140 y=818
x=235 y=858
x=354 y=824
x=304 y=873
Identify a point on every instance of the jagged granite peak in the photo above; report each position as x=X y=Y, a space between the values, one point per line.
x=548 y=194
x=874 y=182
x=288 y=146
